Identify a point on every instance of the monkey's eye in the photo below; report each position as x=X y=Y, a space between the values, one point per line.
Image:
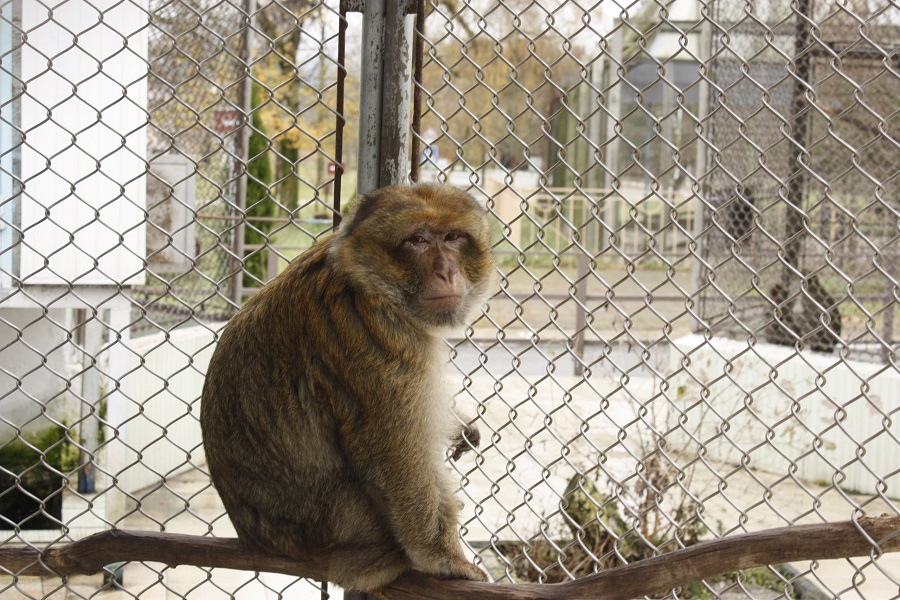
x=417 y=239
x=454 y=236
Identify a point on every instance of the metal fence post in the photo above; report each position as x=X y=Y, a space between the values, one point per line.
x=243 y=150
x=91 y=395
x=698 y=222
x=384 y=115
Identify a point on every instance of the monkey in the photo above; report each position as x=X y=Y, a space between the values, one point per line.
x=782 y=330
x=324 y=432
x=803 y=319
x=819 y=337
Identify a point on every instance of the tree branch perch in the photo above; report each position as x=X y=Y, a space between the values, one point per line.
x=653 y=575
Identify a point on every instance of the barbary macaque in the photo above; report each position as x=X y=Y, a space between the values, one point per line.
x=802 y=319
x=325 y=431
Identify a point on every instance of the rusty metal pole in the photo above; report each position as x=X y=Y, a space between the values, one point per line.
x=386 y=81
x=396 y=93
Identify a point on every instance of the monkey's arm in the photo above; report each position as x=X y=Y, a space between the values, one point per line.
x=419 y=501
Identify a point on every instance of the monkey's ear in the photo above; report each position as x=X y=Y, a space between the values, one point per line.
x=362 y=208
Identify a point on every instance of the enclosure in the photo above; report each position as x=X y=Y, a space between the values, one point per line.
x=696 y=222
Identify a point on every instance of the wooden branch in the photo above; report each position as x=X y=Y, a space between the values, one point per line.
x=650 y=576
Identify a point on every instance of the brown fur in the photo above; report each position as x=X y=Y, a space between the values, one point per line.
x=803 y=321
x=324 y=433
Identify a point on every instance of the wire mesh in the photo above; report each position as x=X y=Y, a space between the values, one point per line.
x=696 y=228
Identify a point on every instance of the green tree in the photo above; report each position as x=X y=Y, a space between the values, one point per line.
x=296 y=67
x=495 y=95
x=259 y=199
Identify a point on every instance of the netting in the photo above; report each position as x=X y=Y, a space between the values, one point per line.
x=696 y=230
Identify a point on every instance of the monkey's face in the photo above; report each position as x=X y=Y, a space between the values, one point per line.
x=438 y=287
x=422 y=249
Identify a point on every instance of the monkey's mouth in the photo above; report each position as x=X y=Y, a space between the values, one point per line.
x=442 y=302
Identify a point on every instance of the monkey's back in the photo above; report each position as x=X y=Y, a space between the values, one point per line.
x=285 y=389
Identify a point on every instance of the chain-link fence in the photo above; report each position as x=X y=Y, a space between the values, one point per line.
x=696 y=227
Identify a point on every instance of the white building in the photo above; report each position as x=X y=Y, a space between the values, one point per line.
x=73 y=92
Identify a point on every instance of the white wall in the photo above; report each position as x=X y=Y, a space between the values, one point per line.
x=6 y=140
x=83 y=99
x=34 y=353
x=783 y=411
x=158 y=416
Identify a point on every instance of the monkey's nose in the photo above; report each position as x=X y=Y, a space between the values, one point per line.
x=445 y=269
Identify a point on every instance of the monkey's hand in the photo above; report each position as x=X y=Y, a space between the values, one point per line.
x=447 y=561
x=465 y=570
x=467 y=438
